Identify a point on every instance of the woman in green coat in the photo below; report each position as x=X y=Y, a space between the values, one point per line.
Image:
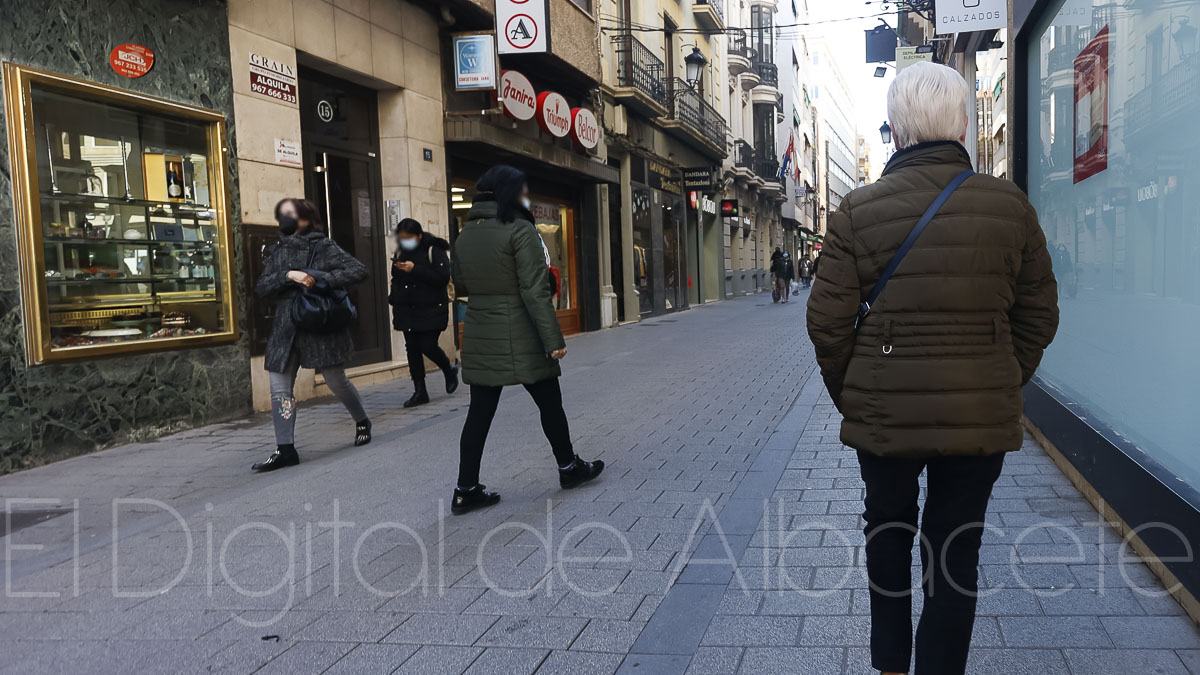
x=511 y=333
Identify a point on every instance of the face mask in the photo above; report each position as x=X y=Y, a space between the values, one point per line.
x=287 y=225
x=526 y=203
x=409 y=244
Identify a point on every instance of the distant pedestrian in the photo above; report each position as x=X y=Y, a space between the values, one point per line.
x=784 y=272
x=930 y=379
x=805 y=270
x=776 y=255
x=420 y=304
x=511 y=333
x=306 y=258
x=815 y=263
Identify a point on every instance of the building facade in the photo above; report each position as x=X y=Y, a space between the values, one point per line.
x=838 y=162
x=795 y=140
x=1103 y=127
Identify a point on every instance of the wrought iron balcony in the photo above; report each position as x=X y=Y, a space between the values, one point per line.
x=766 y=167
x=689 y=108
x=739 y=46
x=710 y=13
x=768 y=73
x=639 y=69
x=743 y=155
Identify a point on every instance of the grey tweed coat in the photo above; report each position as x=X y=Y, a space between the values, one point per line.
x=332 y=264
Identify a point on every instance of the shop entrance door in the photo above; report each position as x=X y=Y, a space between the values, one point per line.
x=339 y=132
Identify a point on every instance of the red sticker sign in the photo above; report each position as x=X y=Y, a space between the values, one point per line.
x=131 y=60
x=553 y=113
x=584 y=128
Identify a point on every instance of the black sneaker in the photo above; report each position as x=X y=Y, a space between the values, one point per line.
x=477 y=497
x=451 y=379
x=284 y=455
x=362 y=433
x=579 y=472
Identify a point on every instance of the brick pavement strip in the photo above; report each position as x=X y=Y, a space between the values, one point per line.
x=352 y=561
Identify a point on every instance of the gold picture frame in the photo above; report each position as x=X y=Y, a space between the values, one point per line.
x=18 y=81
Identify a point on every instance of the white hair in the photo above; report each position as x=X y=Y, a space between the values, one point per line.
x=927 y=102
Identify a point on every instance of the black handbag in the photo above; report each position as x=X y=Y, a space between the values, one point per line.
x=322 y=308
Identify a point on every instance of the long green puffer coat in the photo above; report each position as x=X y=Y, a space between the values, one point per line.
x=511 y=327
x=938 y=364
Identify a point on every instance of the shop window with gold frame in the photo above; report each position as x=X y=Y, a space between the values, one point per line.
x=122 y=219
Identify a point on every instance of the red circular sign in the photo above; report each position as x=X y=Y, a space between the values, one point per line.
x=517 y=96
x=553 y=113
x=584 y=128
x=131 y=60
x=521 y=31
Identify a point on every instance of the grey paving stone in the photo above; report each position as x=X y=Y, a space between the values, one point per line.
x=836 y=631
x=680 y=621
x=1152 y=632
x=984 y=661
x=440 y=660
x=372 y=658
x=615 y=637
x=528 y=631
x=507 y=661
x=714 y=660
x=441 y=629
x=657 y=664
x=1053 y=632
x=742 y=631
x=580 y=663
x=307 y=657
x=791 y=660
x=352 y=626
x=1125 y=661
x=806 y=602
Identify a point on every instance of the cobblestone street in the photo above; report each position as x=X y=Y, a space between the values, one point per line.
x=170 y=556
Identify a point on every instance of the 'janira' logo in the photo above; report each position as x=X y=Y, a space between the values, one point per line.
x=517 y=95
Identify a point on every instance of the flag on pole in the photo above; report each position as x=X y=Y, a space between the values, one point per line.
x=787 y=158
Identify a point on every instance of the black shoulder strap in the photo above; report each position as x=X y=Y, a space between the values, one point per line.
x=936 y=206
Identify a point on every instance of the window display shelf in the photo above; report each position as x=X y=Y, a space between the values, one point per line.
x=123 y=218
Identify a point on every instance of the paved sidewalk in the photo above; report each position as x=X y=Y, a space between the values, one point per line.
x=350 y=563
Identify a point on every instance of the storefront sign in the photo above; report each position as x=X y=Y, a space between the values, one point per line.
x=1074 y=13
x=699 y=178
x=661 y=177
x=131 y=60
x=272 y=79
x=906 y=56
x=522 y=26
x=1091 y=108
x=962 y=16
x=517 y=96
x=474 y=61
x=554 y=114
x=287 y=153
x=585 y=130
x=708 y=205
x=729 y=208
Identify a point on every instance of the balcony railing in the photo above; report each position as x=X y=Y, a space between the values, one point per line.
x=638 y=68
x=766 y=167
x=738 y=44
x=690 y=109
x=717 y=6
x=743 y=155
x=768 y=73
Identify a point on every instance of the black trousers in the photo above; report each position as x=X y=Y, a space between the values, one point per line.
x=419 y=344
x=548 y=397
x=958 y=489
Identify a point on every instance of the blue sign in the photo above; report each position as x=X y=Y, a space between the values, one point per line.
x=474 y=61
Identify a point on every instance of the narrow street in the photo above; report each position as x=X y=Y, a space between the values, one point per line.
x=170 y=556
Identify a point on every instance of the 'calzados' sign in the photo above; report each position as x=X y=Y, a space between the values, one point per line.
x=961 y=16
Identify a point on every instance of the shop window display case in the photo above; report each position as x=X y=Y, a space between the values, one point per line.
x=122 y=218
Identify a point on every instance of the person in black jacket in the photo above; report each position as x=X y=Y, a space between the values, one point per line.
x=420 y=275
x=305 y=257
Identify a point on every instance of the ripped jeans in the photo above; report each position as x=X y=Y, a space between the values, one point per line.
x=283 y=403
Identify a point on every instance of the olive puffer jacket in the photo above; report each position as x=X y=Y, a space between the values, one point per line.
x=418 y=298
x=510 y=327
x=331 y=264
x=938 y=364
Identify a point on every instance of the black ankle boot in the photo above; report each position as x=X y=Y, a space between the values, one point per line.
x=284 y=455
x=451 y=374
x=579 y=472
x=468 y=500
x=362 y=432
x=420 y=395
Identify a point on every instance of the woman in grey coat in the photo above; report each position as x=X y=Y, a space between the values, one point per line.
x=303 y=256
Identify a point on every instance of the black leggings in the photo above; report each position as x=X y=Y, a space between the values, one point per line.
x=419 y=344
x=484 y=400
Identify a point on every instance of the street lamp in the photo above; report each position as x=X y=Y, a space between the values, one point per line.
x=694 y=65
x=886 y=132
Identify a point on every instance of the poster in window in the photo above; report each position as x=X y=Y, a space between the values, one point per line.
x=1091 y=108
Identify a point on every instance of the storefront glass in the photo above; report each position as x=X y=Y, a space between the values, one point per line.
x=1113 y=174
x=551 y=220
x=124 y=228
x=672 y=253
x=643 y=250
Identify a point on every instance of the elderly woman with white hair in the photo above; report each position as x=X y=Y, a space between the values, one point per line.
x=935 y=302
